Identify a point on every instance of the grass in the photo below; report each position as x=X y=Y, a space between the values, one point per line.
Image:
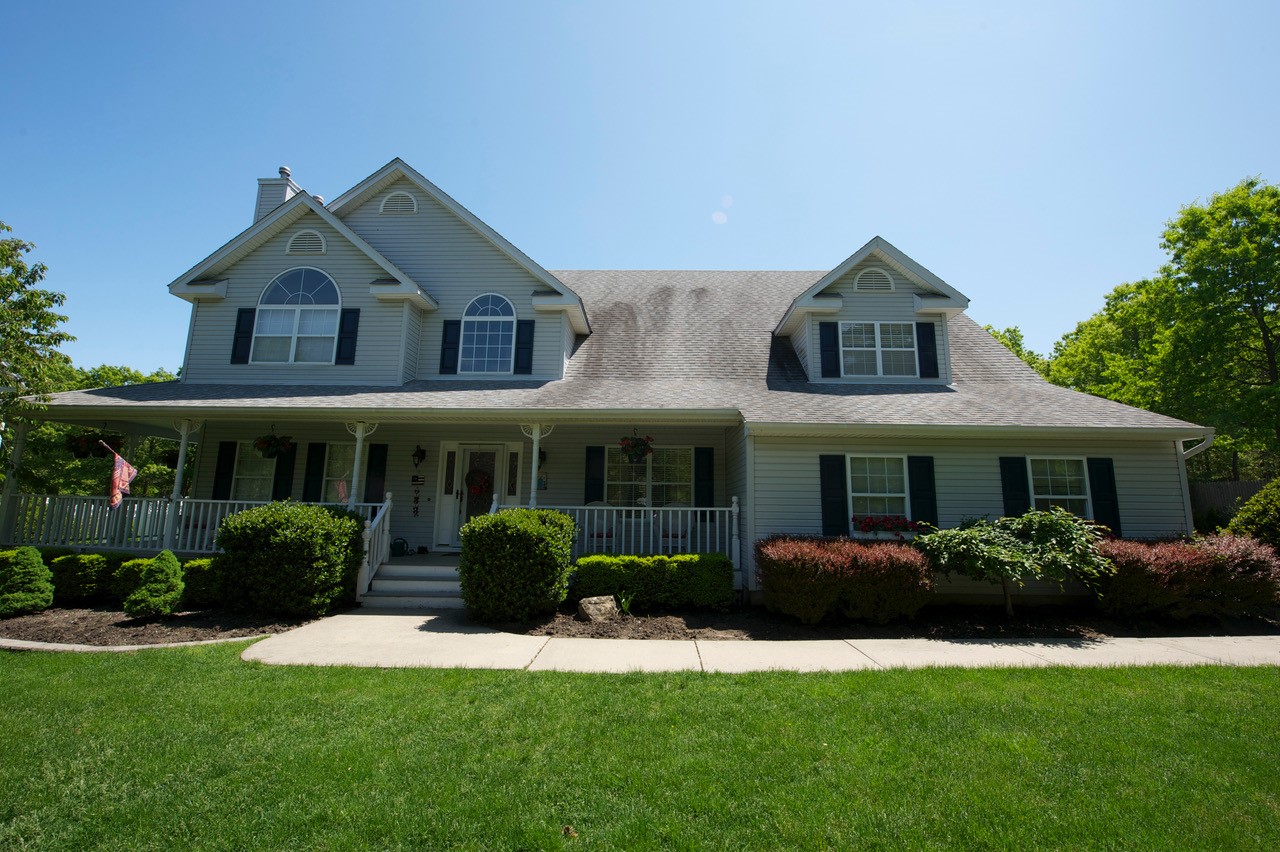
x=194 y=748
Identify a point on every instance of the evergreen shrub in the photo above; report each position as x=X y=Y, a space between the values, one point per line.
x=515 y=563
x=26 y=585
x=86 y=577
x=160 y=588
x=1259 y=517
x=202 y=585
x=289 y=558
x=700 y=580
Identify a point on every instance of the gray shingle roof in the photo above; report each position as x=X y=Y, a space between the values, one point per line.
x=692 y=341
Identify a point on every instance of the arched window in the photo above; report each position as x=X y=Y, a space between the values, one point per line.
x=488 y=335
x=297 y=319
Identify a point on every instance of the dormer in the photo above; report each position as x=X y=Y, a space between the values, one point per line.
x=878 y=318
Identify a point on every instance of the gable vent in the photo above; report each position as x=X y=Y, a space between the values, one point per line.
x=399 y=203
x=306 y=242
x=873 y=281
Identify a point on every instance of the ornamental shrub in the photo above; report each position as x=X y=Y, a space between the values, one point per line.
x=1219 y=576
x=1259 y=517
x=883 y=582
x=801 y=576
x=86 y=577
x=126 y=578
x=701 y=580
x=289 y=558
x=515 y=563
x=202 y=585
x=160 y=589
x=26 y=585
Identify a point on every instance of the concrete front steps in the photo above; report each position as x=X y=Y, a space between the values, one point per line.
x=416 y=583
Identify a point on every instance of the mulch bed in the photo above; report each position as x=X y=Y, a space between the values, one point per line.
x=107 y=626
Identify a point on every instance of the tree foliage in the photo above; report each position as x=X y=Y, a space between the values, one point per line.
x=30 y=332
x=1012 y=339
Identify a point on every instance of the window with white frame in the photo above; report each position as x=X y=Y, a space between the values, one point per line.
x=878 y=348
x=878 y=486
x=663 y=477
x=253 y=475
x=339 y=463
x=1061 y=482
x=488 y=335
x=297 y=319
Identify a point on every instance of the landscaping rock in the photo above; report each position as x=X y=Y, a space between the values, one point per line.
x=602 y=608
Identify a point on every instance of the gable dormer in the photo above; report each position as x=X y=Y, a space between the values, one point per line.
x=879 y=317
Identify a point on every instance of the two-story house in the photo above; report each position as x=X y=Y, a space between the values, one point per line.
x=406 y=347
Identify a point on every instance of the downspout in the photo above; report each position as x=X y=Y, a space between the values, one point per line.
x=1197 y=449
x=1183 y=454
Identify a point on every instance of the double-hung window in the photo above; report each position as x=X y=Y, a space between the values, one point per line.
x=1060 y=482
x=253 y=476
x=878 y=486
x=339 y=463
x=878 y=349
x=662 y=478
x=297 y=319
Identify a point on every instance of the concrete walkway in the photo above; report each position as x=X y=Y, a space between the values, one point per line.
x=447 y=640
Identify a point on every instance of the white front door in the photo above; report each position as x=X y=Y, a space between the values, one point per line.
x=470 y=474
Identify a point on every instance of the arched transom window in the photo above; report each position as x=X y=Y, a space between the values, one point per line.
x=488 y=335
x=297 y=319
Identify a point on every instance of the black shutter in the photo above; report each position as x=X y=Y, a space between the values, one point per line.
x=313 y=475
x=1013 y=481
x=243 y=342
x=829 y=345
x=375 y=474
x=704 y=476
x=1102 y=488
x=348 y=328
x=282 y=482
x=524 y=348
x=924 y=495
x=593 y=481
x=833 y=486
x=927 y=350
x=449 y=347
x=225 y=470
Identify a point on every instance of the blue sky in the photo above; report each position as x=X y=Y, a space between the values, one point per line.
x=1028 y=153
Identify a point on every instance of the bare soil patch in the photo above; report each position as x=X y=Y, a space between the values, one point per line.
x=937 y=622
x=107 y=626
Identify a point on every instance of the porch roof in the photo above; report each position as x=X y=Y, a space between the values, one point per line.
x=671 y=347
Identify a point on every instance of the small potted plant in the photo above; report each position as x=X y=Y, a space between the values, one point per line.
x=635 y=448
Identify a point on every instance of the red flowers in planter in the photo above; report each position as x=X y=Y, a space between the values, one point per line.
x=885 y=523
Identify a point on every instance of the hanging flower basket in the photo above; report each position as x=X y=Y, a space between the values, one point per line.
x=271 y=446
x=636 y=448
x=90 y=444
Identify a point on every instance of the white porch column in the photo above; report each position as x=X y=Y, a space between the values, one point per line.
x=175 y=496
x=536 y=432
x=9 y=497
x=361 y=430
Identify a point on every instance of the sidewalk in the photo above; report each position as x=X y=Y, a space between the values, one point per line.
x=447 y=640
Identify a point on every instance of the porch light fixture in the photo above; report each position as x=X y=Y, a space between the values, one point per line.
x=418 y=456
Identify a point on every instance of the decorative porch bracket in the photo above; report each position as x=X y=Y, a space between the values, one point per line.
x=536 y=432
x=361 y=430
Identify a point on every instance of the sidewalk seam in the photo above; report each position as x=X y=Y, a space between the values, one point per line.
x=537 y=653
x=873 y=660
x=702 y=666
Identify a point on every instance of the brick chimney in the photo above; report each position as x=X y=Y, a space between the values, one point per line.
x=272 y=192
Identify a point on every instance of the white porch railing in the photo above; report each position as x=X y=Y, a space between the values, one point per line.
x=139 y=523
x=377 y=546
x=669 y=529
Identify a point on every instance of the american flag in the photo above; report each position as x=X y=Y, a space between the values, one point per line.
x=121 y=475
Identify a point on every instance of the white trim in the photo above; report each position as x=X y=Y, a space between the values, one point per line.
x=848 y=485
x=297 y=318
x=399 y=193
x=462 y=336
x=324 y=245
x=1084 y=466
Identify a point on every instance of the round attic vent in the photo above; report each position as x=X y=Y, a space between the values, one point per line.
x=873 y=280
x=399 y=203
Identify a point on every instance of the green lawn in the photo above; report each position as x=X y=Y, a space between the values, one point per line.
x=193 y=748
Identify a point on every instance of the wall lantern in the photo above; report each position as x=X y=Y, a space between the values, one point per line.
x=418 y=456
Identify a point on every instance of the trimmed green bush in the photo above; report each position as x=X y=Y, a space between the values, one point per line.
x=127 y=577
x=202 y=585
x=86 y=577
x=26 y=585
x=812 y=578
x=160 y=589
x=1219 y=576
x=515 y=563
x=702 y=580
x=1259 y=517
x=289 y=558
